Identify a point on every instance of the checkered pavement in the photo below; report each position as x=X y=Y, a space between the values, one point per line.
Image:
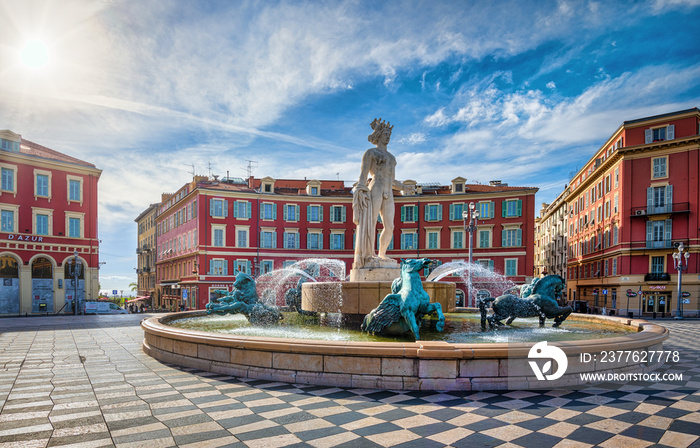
x=84 y=382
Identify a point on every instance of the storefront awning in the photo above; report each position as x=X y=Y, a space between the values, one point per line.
x=138 y=299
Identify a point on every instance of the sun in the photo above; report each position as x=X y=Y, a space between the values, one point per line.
x=35 y=54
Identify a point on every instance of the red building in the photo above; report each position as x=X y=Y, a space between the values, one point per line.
x=209 y=230
x=48 y=211
x=630 y=207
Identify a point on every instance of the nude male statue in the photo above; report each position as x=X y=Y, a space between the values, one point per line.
x=376 y=198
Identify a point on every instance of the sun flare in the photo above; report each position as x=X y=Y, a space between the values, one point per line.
x=35 y=54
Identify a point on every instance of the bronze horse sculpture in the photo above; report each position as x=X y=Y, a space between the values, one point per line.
x=401 y=311
x=541 y=302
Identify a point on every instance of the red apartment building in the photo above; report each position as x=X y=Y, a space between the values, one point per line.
x=630 y=207
x=48 y=209
x=210 y=229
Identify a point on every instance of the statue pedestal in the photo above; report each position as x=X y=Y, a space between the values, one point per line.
x=376 y=269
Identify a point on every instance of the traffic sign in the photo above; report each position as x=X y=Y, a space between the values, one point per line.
x=631 y=294
x=685 y=294
x=114 y=292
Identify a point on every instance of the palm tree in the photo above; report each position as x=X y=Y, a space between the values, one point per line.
x=134 y=286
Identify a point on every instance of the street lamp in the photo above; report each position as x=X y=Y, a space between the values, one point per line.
x=680 y=263
x=472 y=215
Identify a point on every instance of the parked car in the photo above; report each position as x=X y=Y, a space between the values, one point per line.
x=103 y=308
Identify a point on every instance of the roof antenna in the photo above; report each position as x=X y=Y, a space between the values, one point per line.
x=249 y=169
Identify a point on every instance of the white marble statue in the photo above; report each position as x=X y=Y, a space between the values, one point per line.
x=376 y=197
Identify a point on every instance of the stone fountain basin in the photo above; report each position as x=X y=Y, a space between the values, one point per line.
x=421 y=365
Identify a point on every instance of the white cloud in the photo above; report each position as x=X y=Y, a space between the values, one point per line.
x=413 y=139
x=551 y=85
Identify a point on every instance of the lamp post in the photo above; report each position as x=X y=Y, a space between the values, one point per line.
x=472 y=215
x=680 y=263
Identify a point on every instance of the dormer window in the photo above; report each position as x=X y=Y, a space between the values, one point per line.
x=458 y=185
x=268 y=188
x=313 y=188
x=267 y=185
x=659 y=134
x=314 y=191
x=9 y=141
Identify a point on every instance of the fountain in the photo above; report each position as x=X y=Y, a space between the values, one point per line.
x=436 y=361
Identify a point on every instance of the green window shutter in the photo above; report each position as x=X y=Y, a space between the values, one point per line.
x=415 y=241
x=439 y=212
x=235 y=267
x=452 y=212
x=504 y=232
x=668 y=232
x=274 y=240
x=403 y=213
x=403 y=241
x=235 y=209
x=225 y=206
x=503 y=208
x=296 y=241
x=650 y=199
x=274 y=211
x=249 y=210
x=520 y=207
x=211 y=267
x=669 y=198
x=284 y=212
x=520 y=237
x=308 y=213
x=427 y=215
x=262 y=209
x=415 y=213
x=247 y=267
x=344 y=217
x=296 y=212
x=650 y=233
x=225 y=267
x=211 y=207
x=320 y=240
x=492 y=207
x=320 y=213
x=491 y=265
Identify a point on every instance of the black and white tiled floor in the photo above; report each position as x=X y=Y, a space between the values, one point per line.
x=84 y=382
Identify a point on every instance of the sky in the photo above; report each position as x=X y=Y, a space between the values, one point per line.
x=519 y=91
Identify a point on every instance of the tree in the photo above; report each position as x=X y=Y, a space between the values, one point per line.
x=133 y=286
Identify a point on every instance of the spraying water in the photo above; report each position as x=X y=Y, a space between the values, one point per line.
x=482 y=280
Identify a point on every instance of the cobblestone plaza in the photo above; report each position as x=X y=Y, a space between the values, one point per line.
x=85 y=382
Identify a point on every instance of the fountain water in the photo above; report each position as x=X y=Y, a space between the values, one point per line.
x=482 y=279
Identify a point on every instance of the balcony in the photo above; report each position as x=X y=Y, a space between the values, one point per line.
x=657 y=277
x=138 y=251
x=676 y=207
x=661 y=244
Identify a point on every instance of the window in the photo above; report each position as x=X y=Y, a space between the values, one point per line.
x=512 y=237
x=291 y=240
x=512 y=208
x=42 y=185
x=616 y=234
x=433 y=240
x=659 y=167
x=41 y=224
x=456 y=212
x=457 y=239
x=241 y=266
x=337 y=241
x=459 y=188
x=484 y=238
x=657 y=265
x=409 y=213
x=314 y=241
x=74 y=190
x=314 y=213
x=7 y=217
x=8 y=180
x=75 y=225
x=314 y=191
x=242 y=237
x=218 y=237
x=511 y=267
x=268 y=188
x=337 y=213
x=268 y=211
x=614 y=266
x=409 y=241
x=660 y=199
x=9 y=145
x=617 y=177
x=242 y=209
x=433 y=212
x=659 y=134
x=290 y=212
x=486 y=210
x=267 y=266
x=659 y=234
x=616 y=203
x=268 y=239
x=218 y=208
x=486 y=264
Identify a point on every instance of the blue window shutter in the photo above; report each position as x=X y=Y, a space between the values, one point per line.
x=284 y=212
x=439 y=212
x=235 y=267
x=415 y=240
x=262 y=209
x=225 y=267
x=650 y=233
x=211 y=207
x=344 y=217
x=503 y=208
x=247 y=267
x=308 y=213
x=650 y=199
x=296 y=211
x=225 y=206
x=403 y=213
x=249 y=209
x=403 y=241
x=491 y=265
x=669 y=198
x=670 y=132
x=503 y=237
x=274 y=211
x=492 y=207
x=427 y=217
x=235 y=209
x=415 y=213
x=520 y=237
x=296 y=241
x=274 y=240
x=211 y=267
x=668 y=232
x=452 y=212
x=320 y=213
x=520 y=207
x=648 y=135
x=320 y=240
